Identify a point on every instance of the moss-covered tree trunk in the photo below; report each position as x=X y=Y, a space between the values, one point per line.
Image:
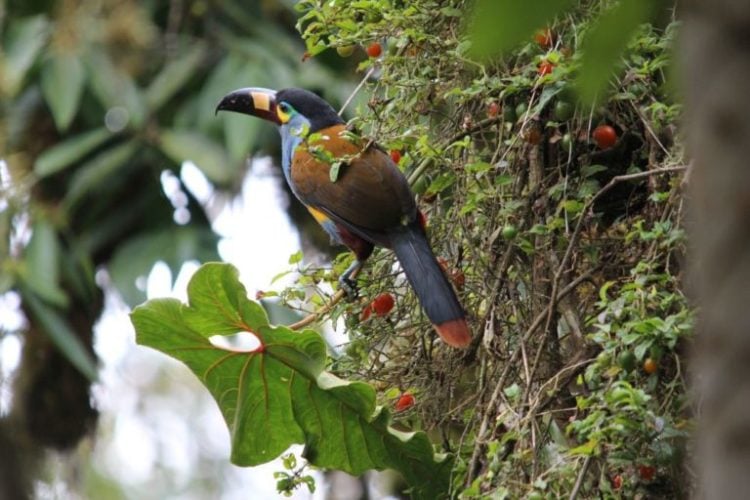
x=716 y=59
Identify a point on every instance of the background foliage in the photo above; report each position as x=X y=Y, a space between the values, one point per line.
x=100 y=104
x=567 y=255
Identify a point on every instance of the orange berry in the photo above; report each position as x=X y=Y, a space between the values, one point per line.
x=646 y=472
x=443 y=263
x=404 y=402
x=395 y=156
x=383 y=304
x=604 y=136
x=493 y=109
x=617 y=482
x=459 y=278
x=545 y=68
x=366 y=312
x=544 y=38
x=422 y=219
x=374 y=50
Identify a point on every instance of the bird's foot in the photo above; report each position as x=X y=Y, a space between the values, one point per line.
x=349 y=286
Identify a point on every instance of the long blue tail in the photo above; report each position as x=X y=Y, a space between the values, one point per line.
x=433 y=289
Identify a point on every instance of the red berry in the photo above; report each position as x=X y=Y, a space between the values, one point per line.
x=532 y=135
x=545 y=68
x=493 y=109
x=458 y=278
x=544 y=38
x=374 y=50
x=395 y=156
x=650 y=366
x=646 y=472
x=617 y=482
x=404 y=402
x=443 y=263
x=422 y=219
x=382 y=304
x=604 y=136
x=366 y=312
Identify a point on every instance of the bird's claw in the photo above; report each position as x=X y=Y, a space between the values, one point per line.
x=349 y=286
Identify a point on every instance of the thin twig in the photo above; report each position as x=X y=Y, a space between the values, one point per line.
x=313 y=317
x=579 y=225
x=481 y=435
x=357 y=89
x=555 y=297
x=579 y=479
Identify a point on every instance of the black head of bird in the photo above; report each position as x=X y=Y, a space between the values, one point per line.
x=367 y=203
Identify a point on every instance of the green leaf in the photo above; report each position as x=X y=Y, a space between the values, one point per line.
x=188 y=145
x=115 y=88
x=586 y=449
x=241 y=133
x=62 y=86
x=6 y=225
x=63 y=336
x=42 y=264
x=64 y=154
x=333 y=172
x=98 y=170
x=25 y=39
x=441 y=183
x=603 y=46
x=174 y=76
x=280 y=394
x=136 y=257
x=499 y=25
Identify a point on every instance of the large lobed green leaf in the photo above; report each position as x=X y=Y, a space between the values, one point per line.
x=280 y=394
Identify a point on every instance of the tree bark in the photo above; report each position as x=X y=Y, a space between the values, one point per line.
x=715 y=53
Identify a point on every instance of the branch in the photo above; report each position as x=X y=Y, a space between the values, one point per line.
x=313 y=317
x=481 y=435
x=579 y=479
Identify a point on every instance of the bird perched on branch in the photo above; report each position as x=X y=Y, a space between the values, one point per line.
x=356 y=192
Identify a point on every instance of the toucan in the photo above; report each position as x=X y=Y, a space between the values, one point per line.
x=353 y=188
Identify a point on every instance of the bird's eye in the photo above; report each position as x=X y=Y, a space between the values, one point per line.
x=284 y=111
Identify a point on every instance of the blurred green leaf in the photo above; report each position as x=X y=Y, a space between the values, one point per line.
x=42 y=264
x=221 y=81
x=62 y=86
x=98 y=170
x=499 y=25
x=189 y=145
x=65 y=154
x=63 y=336
x=605 y=43
x=6 y=217
x=241 y=134
x=174 y=76
x=115 y=88
x=136 y=258
x=280 y=394
x=77 y=272
x=25 y=39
